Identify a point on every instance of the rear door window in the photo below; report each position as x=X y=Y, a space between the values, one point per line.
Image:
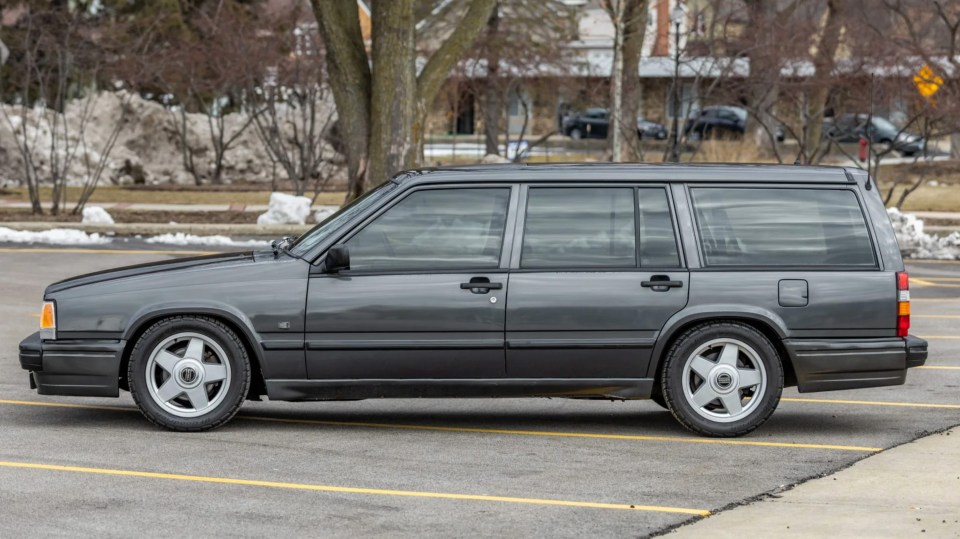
x=598 y=227
x=782 y=227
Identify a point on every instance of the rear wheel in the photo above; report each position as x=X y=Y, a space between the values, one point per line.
x=189 y=373
x=576 y=134
x=722 y=379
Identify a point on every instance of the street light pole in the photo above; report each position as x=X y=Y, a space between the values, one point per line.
x=676 y=17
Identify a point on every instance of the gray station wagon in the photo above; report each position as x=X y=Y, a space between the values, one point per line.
x=705 y=288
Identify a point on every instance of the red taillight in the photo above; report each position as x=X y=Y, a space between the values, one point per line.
x=903 y=304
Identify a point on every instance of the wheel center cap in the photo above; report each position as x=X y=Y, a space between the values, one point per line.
x=724 y=379
x=188 y=373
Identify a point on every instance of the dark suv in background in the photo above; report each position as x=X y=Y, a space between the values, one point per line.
x=594 y=123
x=721 y=123
x=707 y=288
x=850 y=128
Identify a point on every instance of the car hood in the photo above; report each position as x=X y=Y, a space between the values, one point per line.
x=148 y=268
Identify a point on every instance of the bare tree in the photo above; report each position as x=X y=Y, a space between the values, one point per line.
x=293 y=117
x=382 y=111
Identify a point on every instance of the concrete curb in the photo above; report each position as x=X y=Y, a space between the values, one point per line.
x=153 y=229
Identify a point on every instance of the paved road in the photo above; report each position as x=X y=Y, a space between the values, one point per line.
x=423 y=467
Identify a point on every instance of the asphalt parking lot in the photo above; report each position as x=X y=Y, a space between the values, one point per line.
x=520 y=467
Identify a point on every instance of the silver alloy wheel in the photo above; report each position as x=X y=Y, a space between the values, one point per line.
x=723 y=380
x=188 y=374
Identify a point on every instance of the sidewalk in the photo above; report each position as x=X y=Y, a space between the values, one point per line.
x=909 y=491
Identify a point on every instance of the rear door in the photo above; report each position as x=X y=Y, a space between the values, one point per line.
x=595 y=274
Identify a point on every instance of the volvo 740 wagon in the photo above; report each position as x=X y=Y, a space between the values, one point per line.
x=705 y=288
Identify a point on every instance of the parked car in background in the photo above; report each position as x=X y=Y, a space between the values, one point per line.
x=594 y=123
x=848 y=128
x=723 y=122
x=706 y=288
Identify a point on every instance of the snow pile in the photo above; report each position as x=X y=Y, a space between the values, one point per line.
x=915 y=243
x=58 y=236
x=95 y=215
x=189 y=239
x=323 y=213
x=148 y=147
x=285 y=210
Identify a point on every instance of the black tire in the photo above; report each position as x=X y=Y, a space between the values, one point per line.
x=576 y=133
x=672 y=379
x=236 y=385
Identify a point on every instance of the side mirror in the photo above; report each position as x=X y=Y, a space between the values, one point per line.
x=338 y=258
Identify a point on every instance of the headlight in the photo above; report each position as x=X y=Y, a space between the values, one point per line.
x=48 y=321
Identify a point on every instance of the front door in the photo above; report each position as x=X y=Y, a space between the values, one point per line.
x=599 y=274
x=424 y=295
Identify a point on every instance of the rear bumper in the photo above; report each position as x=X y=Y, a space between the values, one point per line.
x=832 y=364
x=85 y=368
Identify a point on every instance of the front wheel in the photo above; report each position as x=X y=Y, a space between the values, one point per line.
x=722 y=379
x=189 y=373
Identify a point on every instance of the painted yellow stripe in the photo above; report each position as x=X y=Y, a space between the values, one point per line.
x=353 y=490
x=553 y=434
x=939 y=367
x=105 y=251
x=874 y=403
x=938 y=278
x=951 y=316
x=601 y=436
x=922 y=282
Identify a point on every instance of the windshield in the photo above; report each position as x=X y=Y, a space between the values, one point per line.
x=331 y=224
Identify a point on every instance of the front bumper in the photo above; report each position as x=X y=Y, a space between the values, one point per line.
x=832 y=364
x=83 y=368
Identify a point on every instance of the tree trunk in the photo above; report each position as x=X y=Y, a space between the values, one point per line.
x=394 y=93
x=615 y=118
x=634 y=28
x=823 y=62
x=350 y=80
x=491 y=87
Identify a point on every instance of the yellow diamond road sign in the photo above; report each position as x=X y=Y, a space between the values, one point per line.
x=927 y=81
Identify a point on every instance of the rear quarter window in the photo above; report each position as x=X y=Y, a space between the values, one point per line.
x=781 y=227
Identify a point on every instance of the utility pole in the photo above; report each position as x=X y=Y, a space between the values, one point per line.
x=676 y=17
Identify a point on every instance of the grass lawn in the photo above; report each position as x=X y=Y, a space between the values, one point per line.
x=164 y=196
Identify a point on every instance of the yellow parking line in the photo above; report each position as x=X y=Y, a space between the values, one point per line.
x=939 y=367
x=938 y=278
x=105 y=251
x=553 y=434
x=874 y=403
x=352 y=490
x=935 y=316
x=632 y=437
x=922 y=282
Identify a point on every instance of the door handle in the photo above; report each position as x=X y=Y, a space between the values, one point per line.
x=485 y=286
x=661 y=283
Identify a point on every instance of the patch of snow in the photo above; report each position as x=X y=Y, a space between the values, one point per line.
x=285 y=209
x=322 y=214
x=933 y=183
x=95 y=215
x=56 y=236
x=190 y=239
x=915 y=243
x=492 y=158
